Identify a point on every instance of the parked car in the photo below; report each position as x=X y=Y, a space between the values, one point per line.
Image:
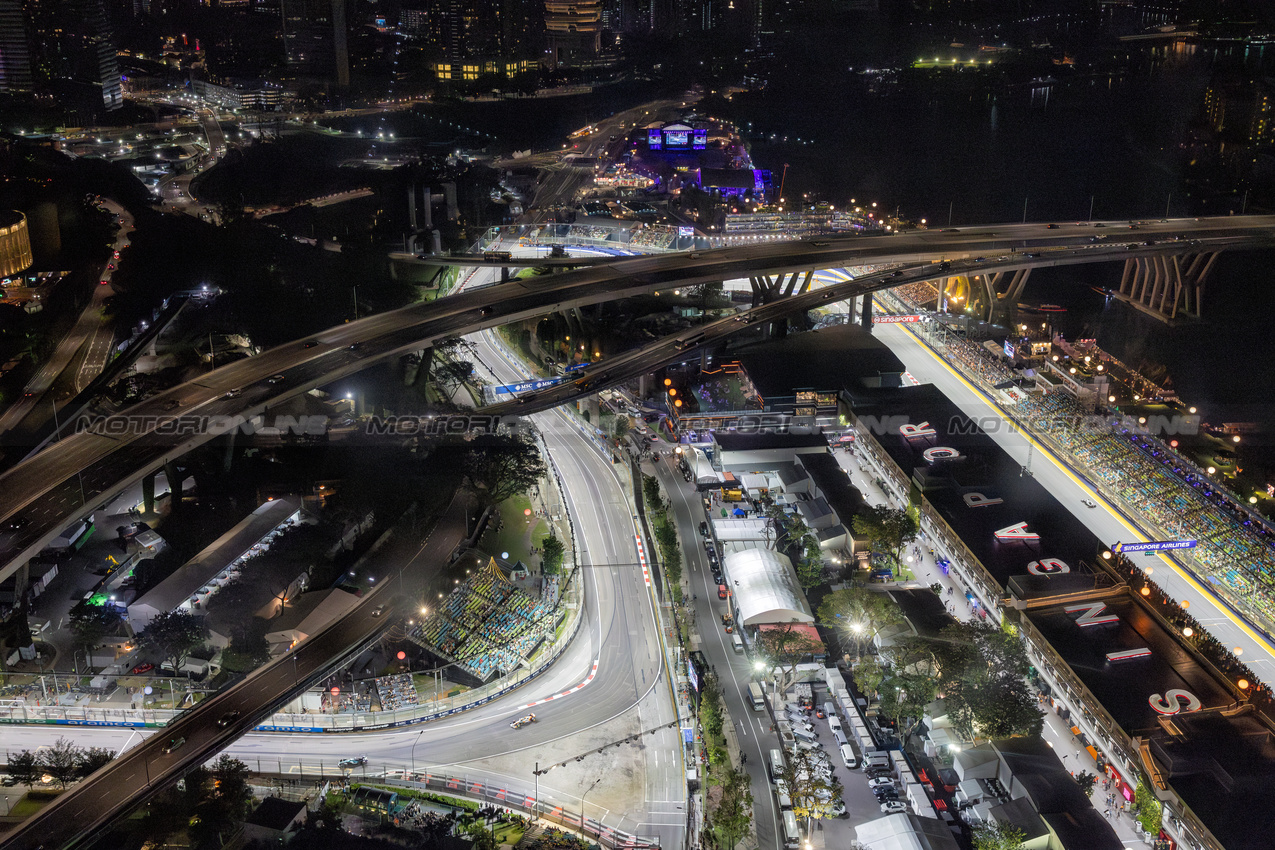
x=142 y=668
x=881 y=782
x=893 y=807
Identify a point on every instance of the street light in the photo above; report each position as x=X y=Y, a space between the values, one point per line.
x=414 y=743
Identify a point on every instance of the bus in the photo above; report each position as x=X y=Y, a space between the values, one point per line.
x=792 y=835
x=756 y=695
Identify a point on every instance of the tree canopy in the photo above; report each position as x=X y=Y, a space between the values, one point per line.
x=998 y=836
x=173 y=635
x=814 y=794
x=889 y=529
x=504 y=468
x=858 y=613
x=785 y=646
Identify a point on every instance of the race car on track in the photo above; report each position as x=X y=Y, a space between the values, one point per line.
x=523 y=721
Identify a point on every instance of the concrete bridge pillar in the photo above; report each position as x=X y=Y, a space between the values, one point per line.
x=1001 y=291
x=865 y=319
x=148 y=494
x=1167 y=286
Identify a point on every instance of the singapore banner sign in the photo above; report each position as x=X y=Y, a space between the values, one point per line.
x=1158 y=546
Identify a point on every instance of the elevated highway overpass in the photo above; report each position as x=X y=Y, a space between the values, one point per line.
x=43 y=488
x=70 y=478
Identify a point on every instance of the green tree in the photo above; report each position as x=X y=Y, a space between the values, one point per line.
x=230 y=782
x=248 y=648
x=859 y=613
x=735 y=811
x=810 y=571
x=998 y=836
x=889 y=529
x=171 y=636
x=90 y=624
x=1086 y=781
x=623 y=424
x=785 y=646
x=982 y=672
x=651 y=490
x=1002 y=707
x=1147 y=808
x=61 y=761
x=92 y=759
x=504 y=468
x=904 y=696
x=710 y=709
x=814 y=794
x=24 y=767
x=869 y=675
x=551 y=558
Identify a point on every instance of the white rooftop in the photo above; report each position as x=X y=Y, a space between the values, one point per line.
x=730 y=529
x=766 y=588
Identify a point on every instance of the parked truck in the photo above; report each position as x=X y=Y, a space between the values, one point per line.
x=805 y=695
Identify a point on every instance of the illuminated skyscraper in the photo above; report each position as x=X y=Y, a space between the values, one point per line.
x=15 y=56
x=72 y=50
x=574 y=31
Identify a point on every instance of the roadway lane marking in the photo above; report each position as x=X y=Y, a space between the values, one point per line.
x=568 y=692
x=646 y=569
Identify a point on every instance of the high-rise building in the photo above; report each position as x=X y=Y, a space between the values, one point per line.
x=477 y=37
x=574 y=31
x=15 y=56
x=72 y=48
x=1241 y=109
x=15 y=243
x=316 y=40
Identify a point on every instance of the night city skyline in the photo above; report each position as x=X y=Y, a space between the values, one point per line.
x=684 y=424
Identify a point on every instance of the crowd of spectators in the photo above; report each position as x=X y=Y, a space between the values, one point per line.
x=487 y=626
x=398 y=691
x=921 y=293
x=357 y=701
x=656 y=236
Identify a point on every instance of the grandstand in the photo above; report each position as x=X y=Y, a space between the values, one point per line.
x=1235 y=555
x=486 y=627
x=619 y=238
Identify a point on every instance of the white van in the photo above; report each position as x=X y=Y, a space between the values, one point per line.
x=737 y=643
x=803 y=734
x=781 y=794
x=834 y=724
x=848 y=756
x=876 y=758
x=839 y=737
x=829 y=710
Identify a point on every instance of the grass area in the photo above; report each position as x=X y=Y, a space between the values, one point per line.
x=32 y=802
x=512 y=535
x=508 y=833
x=414 y=794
